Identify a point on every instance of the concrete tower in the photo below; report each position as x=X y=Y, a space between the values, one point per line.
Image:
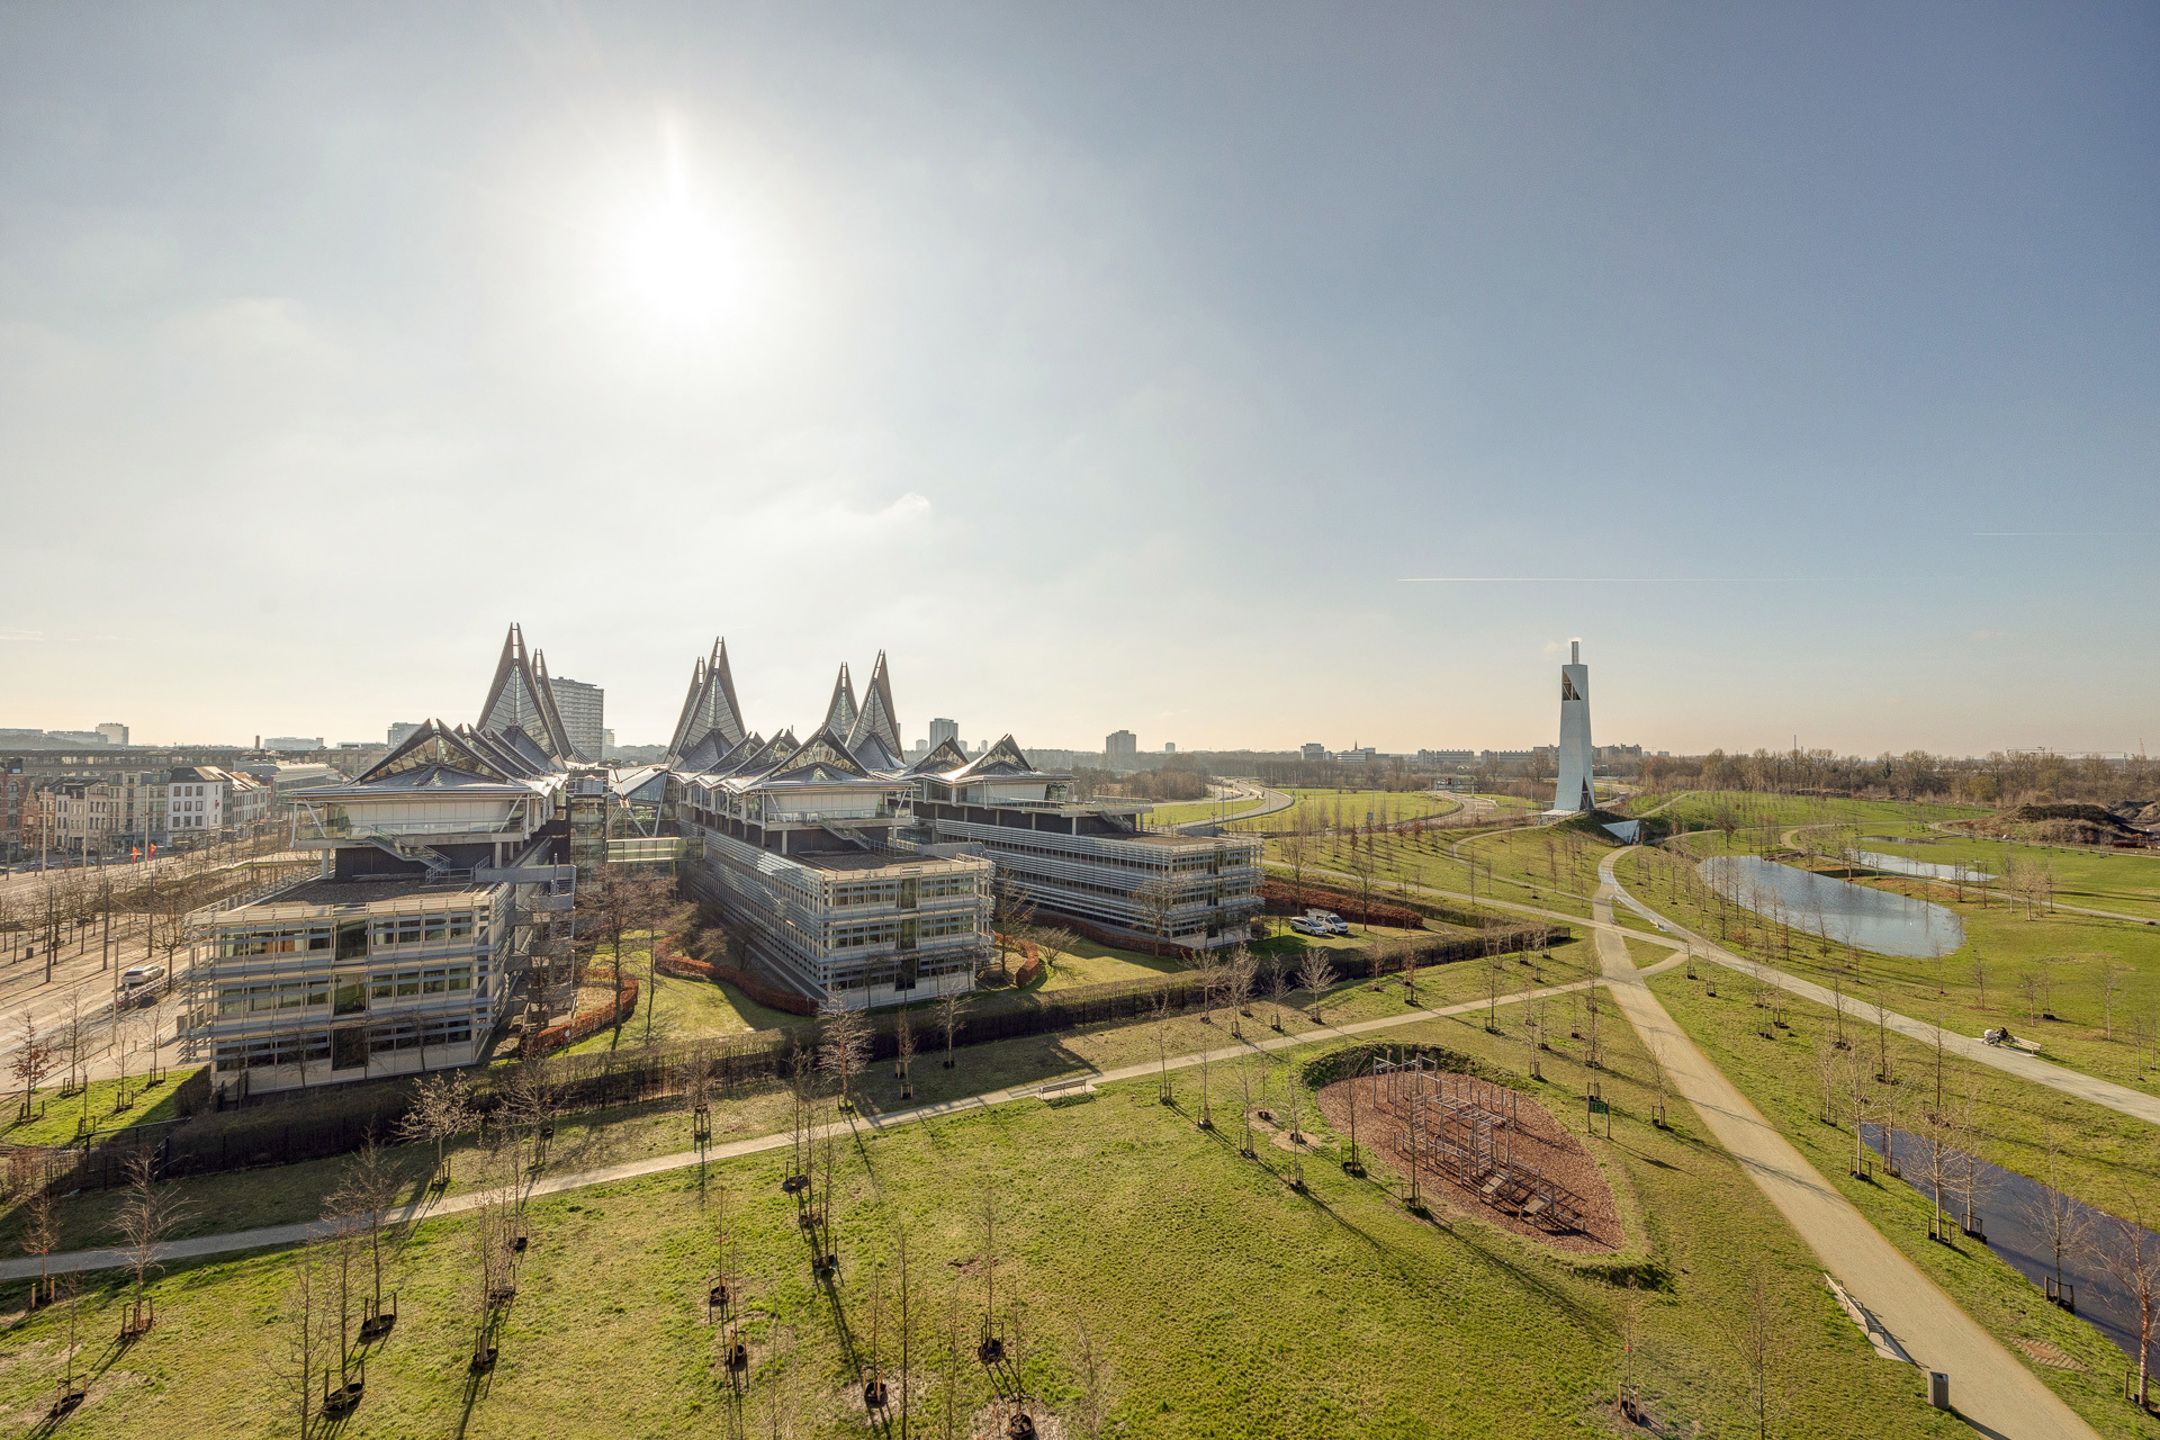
x=1576 y=791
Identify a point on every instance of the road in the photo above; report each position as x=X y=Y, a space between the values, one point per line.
x=1269 y=802
x=233 y=1241
x=1989 y=1386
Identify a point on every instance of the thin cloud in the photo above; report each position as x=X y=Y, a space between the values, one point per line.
x=1609 y=580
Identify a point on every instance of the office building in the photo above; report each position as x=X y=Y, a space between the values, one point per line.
x=942 y=730
x=113 y=733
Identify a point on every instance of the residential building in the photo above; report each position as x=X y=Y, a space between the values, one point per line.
x=443 y=877
x=1119 y=749
x=400 y=730
x=207 y=802
x=113 y=733
x=582 y=708
x=1312 y=750
x=942 y=730
x=1169 y=748
x=81 y=817
x=21 y=814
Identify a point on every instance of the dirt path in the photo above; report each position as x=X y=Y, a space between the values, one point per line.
x=1989 y=1387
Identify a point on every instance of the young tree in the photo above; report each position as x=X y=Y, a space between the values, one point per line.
x=2133 y=1260
x=952 y=1014
x=1278 y=982
x=300 y=1358
x=32 y=1061
x=2065 y=1226
x=442 y=1108
x=147 y=1214
x=1760 y=1346
x=843 y=1047
x=40 y=1237
x=1237 y=987
x=366 y=1193
x=1315 y=975
x=904 y=1054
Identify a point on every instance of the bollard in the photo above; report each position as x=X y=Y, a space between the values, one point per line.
x=1938 y=1390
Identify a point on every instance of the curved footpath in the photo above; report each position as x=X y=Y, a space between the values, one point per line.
x=231 y=1241
x=1989 y=1387
x=1271 y=802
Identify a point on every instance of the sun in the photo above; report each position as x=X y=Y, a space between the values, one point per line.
x=679 y=264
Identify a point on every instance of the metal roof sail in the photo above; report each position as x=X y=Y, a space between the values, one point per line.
x=711 y=706
x=840 y=712
x=1003 y=758
x=877 y=717
x=437 y=745
x=518 y=699
x=945 y=755
x=821 y=757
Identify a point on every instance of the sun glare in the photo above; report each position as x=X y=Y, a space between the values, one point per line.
x=679 y=260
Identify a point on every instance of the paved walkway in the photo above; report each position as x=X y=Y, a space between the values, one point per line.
x=1989 y=1387
x=265 y=1236
x=2009 y=1059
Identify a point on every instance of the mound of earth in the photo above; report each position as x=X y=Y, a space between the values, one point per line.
x=2070 y=823
x=1532 y=1142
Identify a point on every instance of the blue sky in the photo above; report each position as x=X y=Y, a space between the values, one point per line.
x=1236 y=376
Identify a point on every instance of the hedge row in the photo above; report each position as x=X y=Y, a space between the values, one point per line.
x=1282 y=897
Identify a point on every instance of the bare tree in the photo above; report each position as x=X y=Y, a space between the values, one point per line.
x=366 y=1193
x=40 y=1237
x=1315 y=975
x=442 y=1108
x=952 y=1014
x=904 y=1054
x=2064 y=1225
x=2111 y=976
x=843 y=1047
x=32 y=1061
x=1162 y=1046
x=147 y=1214
x=296 y=1363
x=1278 y=982
x=2134 y=1262
x=1237 y=987
x=1094 y=1386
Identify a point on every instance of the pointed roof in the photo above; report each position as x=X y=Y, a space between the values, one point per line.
x=767 y=756
x=436 y=746
x=1003 y=758
x=545 y=684
x=945 y=755
x=872 y=753
x=711 y=706
x=877 y=716
x=840 y=711
x=820 y=758
x=518 y=698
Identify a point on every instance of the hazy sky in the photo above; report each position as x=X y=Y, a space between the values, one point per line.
x=1241 y=375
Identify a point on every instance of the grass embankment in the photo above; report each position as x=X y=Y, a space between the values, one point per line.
x=2104 y=1158
x=1553 y=867
x=1215 y=1299
x=100 y=1110
x=679 y=1009
x=2126 y=881
x=2012 y=969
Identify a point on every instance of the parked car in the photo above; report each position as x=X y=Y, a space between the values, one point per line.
x=1305 y=926
x=1329 y=922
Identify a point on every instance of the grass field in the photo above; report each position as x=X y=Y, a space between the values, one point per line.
x=2105 y=1158
x=2124 y=881
x=57 y=1119
x=2008 y=964
x=1214 y=1299
x=1335 y=809
x=1554 y=867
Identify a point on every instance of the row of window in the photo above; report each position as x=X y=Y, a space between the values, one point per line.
x=421 y=930
x=353 y=1046
x=405 y=984
x=353 y=991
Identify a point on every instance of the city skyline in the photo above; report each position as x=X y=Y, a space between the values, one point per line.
x=1802 y=362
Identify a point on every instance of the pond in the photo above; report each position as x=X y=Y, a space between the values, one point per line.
x=2011 y=1208
x=1867 y=919
x=1918 y=869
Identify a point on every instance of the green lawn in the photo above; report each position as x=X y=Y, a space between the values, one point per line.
x=2125 y=881
x=2008 y=962
x=1216 y=1300
x=57 y=1119
x=1322 y=809
x=683 y=1010
x=2105 y=1158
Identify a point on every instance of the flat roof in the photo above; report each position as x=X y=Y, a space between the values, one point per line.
x=320 y=890
x=845 y=860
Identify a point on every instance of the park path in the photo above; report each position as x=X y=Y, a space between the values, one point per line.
x=1989 y=1387
x=1270 y=802
x=196 y=1247
x=2009 y=1059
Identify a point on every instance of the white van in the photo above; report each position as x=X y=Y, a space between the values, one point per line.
x=139 y=982
x=1329 y=922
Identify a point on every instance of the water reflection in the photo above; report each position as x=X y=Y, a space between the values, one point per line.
x=2011 y=1207
x=1919 y=869
x=1856 y=915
